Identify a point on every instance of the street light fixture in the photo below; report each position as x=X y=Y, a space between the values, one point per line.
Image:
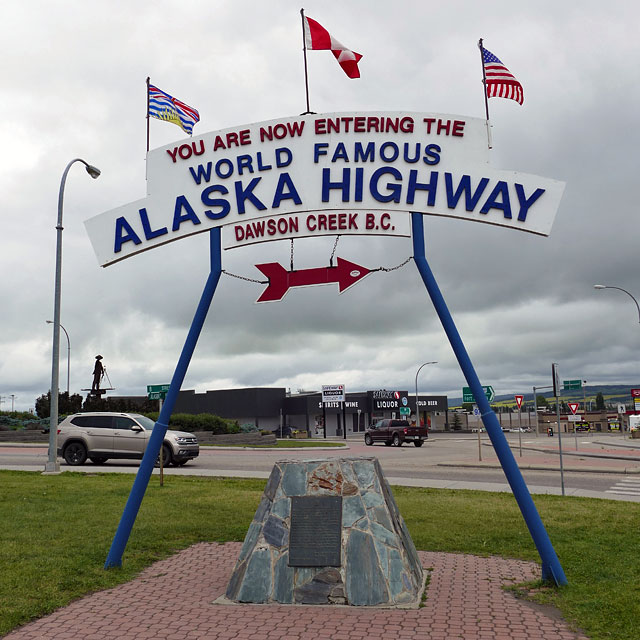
x=68 y=352
x=604 y=286
x=52 y=465
x=417 y=372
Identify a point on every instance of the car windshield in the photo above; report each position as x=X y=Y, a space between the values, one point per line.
x=147 y=423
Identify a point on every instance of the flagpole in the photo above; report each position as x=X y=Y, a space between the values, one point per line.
x=306 y=75
x=148 y=80
x=484 y=88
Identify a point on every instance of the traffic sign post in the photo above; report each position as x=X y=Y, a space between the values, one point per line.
x=333 y=393
x=573 y=406
x=519 y=400
x=157 y=388
x=157 y=391
x=556 y=392
x=467 y=394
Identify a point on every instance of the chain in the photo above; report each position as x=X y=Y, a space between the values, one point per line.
x=387 y=269
x=291 y=254
x=233 y=275
x=333 y=253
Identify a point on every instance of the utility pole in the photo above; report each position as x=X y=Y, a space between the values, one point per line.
x=556 y=393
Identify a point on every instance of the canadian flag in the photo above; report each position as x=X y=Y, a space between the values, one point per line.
x=317 y=37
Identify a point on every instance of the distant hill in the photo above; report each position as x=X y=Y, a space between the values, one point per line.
x=614 y=394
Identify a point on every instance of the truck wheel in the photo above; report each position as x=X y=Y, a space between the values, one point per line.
x=367 y=440
x=387 y=443
x=418 y=443
x=396 y=440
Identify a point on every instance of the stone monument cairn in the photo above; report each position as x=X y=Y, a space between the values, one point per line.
x=328 y=532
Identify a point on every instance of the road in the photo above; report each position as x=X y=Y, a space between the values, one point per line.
x=446 y=461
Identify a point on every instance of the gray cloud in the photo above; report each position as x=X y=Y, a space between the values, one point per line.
x=73 y=86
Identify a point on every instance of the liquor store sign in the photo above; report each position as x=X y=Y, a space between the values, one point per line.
x=323 y=174
x=333 y=393
x=382 y=400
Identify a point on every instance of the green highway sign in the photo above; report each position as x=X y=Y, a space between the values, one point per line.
x=571 y=384
x=405 y=411
x=157 y=388
x=157 y=391
x=467 y=396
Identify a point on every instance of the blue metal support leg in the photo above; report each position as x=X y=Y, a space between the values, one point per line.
x=551 y=568
x=114 y=558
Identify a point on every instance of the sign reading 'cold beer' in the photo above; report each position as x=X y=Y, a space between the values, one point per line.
x=335 y=174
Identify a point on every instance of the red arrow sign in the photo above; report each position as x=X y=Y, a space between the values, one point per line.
x=346 y=274
x=519 y=400
x=573 y=406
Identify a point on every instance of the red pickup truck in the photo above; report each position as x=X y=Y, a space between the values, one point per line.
x=395 y=432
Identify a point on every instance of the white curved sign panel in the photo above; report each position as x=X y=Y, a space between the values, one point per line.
x=323 y=174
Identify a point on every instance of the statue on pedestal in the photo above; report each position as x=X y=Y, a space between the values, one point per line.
x=98 y=374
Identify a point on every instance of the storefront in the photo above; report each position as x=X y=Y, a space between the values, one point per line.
x=307 y=412
x=361 y=409
x=271 y=408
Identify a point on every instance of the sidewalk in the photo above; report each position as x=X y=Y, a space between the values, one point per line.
x=173 y=600
x=620 y=457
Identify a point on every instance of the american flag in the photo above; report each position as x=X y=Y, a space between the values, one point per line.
x=500 y=82
x=166 y=107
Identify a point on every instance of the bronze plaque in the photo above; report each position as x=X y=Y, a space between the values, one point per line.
x=316 y=531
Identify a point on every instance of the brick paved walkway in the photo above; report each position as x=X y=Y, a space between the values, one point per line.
x=172 y=600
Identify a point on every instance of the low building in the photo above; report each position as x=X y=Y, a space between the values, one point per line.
x=273 y=407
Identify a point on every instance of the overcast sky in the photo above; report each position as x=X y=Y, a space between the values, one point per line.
x=73 y=85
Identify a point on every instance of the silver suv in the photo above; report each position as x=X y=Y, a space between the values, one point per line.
x=101 y=435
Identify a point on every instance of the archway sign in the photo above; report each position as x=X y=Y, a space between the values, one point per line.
x=375 y=173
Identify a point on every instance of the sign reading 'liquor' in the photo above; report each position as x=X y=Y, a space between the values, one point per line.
x=333 y=393
x=331 y=174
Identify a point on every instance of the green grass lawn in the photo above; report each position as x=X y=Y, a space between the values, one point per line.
x=56 y=531
x=284 y=444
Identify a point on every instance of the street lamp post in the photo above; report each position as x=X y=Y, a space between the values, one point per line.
x=52 y=465
x=604 y=286
x=417 y=408
x=68 y=352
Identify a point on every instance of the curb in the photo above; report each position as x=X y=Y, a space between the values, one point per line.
x=541 y=467
x=580 y=453
x=624 y=443
x=213 y=447
x=24 y=444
